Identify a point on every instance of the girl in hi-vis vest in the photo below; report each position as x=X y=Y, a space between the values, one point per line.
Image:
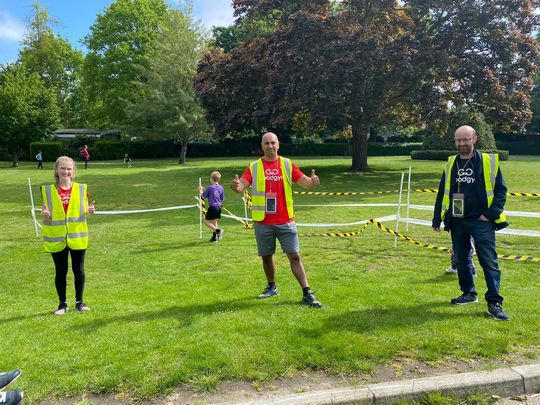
x=65 y=230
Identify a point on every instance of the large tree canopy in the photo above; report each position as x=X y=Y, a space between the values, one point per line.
x=168 y=106
x=28 y=110
x=118 y=44
x=363 y=63
x=55 y=61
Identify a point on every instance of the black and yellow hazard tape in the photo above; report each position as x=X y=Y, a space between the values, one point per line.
x=247 y=199
x=524 y=194
x=237 y=218
x=404 y=237
x=444 y=249
x=338 y=234
x=520 y=258
x=416 y=190
x=325 y=193
x=203 y=205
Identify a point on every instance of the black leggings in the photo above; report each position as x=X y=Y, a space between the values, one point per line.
x=61 y=266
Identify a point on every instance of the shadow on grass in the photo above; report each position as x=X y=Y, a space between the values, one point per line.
x=390 y=318
x=40 y=315
x=167 y=246
x=185 y=314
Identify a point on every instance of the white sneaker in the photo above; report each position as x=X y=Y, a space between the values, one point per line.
x=451 y=270
x=62 y=310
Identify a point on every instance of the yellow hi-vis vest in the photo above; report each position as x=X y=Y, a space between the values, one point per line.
x=258 y=188
x=65 y=229
x=490 y=166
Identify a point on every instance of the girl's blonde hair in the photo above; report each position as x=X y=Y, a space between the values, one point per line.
x=58 y=161
x=215 y=176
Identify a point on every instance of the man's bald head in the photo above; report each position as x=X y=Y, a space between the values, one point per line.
x=270 y=146
x=466 y=130
x=465 y=138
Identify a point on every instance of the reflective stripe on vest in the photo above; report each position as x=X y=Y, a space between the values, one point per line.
x=490 y=166
x=65 y=229
x=258 y=188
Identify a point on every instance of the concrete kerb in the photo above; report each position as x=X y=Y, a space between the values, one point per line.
x=504 y=382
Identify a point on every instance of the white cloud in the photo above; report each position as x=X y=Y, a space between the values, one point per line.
x=10 y=27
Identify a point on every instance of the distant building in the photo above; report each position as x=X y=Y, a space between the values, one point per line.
x=66 y=134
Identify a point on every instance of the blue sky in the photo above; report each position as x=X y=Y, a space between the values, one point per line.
x=76 y=16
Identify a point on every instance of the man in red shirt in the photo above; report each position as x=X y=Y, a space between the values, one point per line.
x=271 y=179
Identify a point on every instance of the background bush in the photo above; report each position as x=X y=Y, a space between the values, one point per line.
x=51 y=150
x=444 y=154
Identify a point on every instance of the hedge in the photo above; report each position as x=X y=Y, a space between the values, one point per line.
x=444 y=154
x=50 y=150
x=521 y=148
x=147 y=149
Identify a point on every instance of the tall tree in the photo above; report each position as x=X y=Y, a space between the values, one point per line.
x=28 y=110
x=55 y=61
x=363 y=62
x=118 y=43
x=168 y=106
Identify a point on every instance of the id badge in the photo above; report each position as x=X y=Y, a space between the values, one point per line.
x=271 y=203
x=458 y=205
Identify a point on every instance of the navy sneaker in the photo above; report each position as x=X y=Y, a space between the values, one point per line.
x=268 y=292
x=7 y=378
x=11 y=397
x=496 y=311
x=311 y=300
x=466 y=298
x=219 y=234
x=214 y=238
x=82 y=307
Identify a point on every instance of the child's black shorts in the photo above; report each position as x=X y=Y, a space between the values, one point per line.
x=213 y=213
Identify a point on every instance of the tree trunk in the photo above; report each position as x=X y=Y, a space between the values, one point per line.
x=183 y=151
x=360 y=134
x=15 y=159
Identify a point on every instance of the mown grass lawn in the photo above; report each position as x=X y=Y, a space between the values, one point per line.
x=172 y=310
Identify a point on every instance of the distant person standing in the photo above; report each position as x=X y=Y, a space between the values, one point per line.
x=470 y=202
x=39 y=158
x=85 y=155
x=127 y=160
x=215 y=195
x=453 y=261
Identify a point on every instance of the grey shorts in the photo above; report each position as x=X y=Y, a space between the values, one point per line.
x=266 y=238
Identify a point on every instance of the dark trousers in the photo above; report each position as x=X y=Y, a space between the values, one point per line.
x=483 y=233
x=40 y=164
x=61 y=266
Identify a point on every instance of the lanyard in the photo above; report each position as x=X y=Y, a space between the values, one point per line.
x=463 y=168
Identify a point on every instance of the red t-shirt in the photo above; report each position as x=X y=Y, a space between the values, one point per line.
x=64 y=195
x=274 y=187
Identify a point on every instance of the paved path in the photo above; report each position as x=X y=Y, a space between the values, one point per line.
x=513 y=383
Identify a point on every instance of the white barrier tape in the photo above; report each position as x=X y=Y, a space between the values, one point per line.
x=387 y=218
x=348 y=205
x=179 y=207
x=418 y=207
x=507 y=213
x=506 y=231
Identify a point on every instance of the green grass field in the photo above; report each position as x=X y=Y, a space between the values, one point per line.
x=171 y=310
